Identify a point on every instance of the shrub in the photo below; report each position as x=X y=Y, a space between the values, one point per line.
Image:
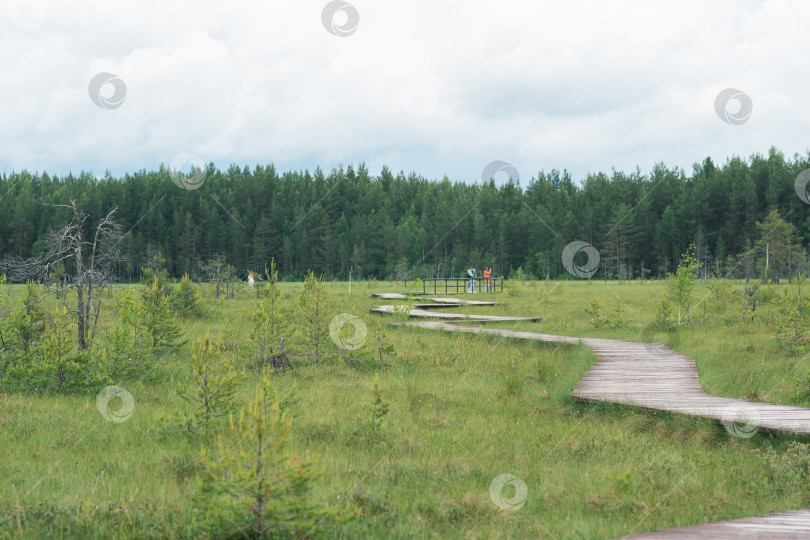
x=794 y=314
x=57 y=364
x=790 y=469
x=682 y=284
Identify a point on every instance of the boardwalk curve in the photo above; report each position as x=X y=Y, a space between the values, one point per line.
x=433 y=315
x=654 y=376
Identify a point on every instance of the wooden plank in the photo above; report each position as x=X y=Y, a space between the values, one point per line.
x=465 y=302
x=456 y=301
x=783 y=526
x=430 y=314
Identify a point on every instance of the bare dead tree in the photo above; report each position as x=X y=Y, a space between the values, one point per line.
x=216 y=271
x=88 y=263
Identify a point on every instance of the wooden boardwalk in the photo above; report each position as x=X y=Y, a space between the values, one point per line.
x=782 y=526
x=463 y=302
x=452 y=301
x=458 y=316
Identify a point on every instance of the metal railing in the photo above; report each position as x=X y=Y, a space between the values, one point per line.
x=462 y=285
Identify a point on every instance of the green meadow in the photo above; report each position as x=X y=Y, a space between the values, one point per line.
x=462 y=410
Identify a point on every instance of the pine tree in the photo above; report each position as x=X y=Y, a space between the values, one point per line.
x=272 y=323
x=5 y=320
x=126 y=342
x=212 y=388
x=28 y=322
x=162 y=330
x=379 y=407
x=156 y=269
x=258 y=482
x=313 y=313
x=186 y=299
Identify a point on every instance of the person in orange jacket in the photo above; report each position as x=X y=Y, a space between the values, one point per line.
x=487 y=274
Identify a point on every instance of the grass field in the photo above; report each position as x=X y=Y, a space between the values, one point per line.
x=464 y=409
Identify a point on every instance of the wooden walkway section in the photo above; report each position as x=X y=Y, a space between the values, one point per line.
x=452 y=301
x=457 y=316
x=782 y=526
x=463 y=302
x=654 y=376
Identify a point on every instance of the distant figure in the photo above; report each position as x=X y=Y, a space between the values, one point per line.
x=487 y=274
x=250 y=279
x=471 y=275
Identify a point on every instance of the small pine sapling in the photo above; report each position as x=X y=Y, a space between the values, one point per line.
x=211 y=390
x=379 y=407
x=597 y=321
x=383 y=347
x=5 y=321
x=258 y=485
x=156 y=269
x=271 y=324
x=618 y=322
x=313 y=316
x=162 y=330
x=29 y=320
x=186 y=300
x=663 y=313
x=125 y=341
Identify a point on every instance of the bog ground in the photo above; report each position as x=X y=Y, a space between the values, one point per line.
x=462 y=410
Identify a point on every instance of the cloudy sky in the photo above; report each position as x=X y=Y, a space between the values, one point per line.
x=440 y=88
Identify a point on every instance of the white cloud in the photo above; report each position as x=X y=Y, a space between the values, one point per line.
x=437 y=88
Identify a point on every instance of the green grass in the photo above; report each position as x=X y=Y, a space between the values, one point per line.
x=463 y=410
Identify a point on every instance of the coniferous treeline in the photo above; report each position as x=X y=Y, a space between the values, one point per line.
x=396 y=226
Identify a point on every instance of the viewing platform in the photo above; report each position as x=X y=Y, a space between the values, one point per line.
x=461 y=285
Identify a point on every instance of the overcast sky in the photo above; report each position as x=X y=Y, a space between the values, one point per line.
x=440 y=88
